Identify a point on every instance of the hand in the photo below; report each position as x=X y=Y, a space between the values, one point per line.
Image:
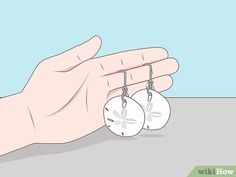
x=66 y=93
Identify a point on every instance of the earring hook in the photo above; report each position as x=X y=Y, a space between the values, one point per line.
x=149 y=82
x=124 y=90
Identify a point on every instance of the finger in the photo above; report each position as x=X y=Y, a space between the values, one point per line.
x=130 y=59
x=141 y=74
x=160 y=84
x=76 y=55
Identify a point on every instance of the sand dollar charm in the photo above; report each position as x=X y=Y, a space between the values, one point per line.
x=157 y=109
x=125 y=120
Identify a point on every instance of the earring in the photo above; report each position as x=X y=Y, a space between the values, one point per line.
x=156 y=107
x=123 y=116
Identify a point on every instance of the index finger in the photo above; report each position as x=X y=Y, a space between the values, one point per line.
x=114 y=63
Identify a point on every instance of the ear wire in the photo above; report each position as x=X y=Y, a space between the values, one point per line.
x=124 y=90
x=149 y=82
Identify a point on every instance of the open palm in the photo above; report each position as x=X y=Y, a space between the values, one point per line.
x=66 y=93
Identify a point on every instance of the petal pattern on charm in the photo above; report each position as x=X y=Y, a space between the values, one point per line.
x=155 y=114
x=123 y=113
x=149 y=106
x=123 y=125
x=149 y=118
x=130 y=121
x=149 y=113
x=122 y=118
x=116 y=114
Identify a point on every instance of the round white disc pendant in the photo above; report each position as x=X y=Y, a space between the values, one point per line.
x=157 y=110
x=121 y=121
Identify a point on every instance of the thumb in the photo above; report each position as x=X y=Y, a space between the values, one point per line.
x=76 y=55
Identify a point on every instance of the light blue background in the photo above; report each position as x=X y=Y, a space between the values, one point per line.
x=200 y=34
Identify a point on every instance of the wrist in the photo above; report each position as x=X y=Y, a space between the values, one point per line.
x=16 y=124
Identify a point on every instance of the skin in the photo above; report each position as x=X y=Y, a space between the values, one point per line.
x=64 y=98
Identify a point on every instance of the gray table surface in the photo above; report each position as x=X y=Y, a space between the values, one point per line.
x=201 y=132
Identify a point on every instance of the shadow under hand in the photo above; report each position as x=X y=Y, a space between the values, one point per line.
x=96 y=137
x=93 y=138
